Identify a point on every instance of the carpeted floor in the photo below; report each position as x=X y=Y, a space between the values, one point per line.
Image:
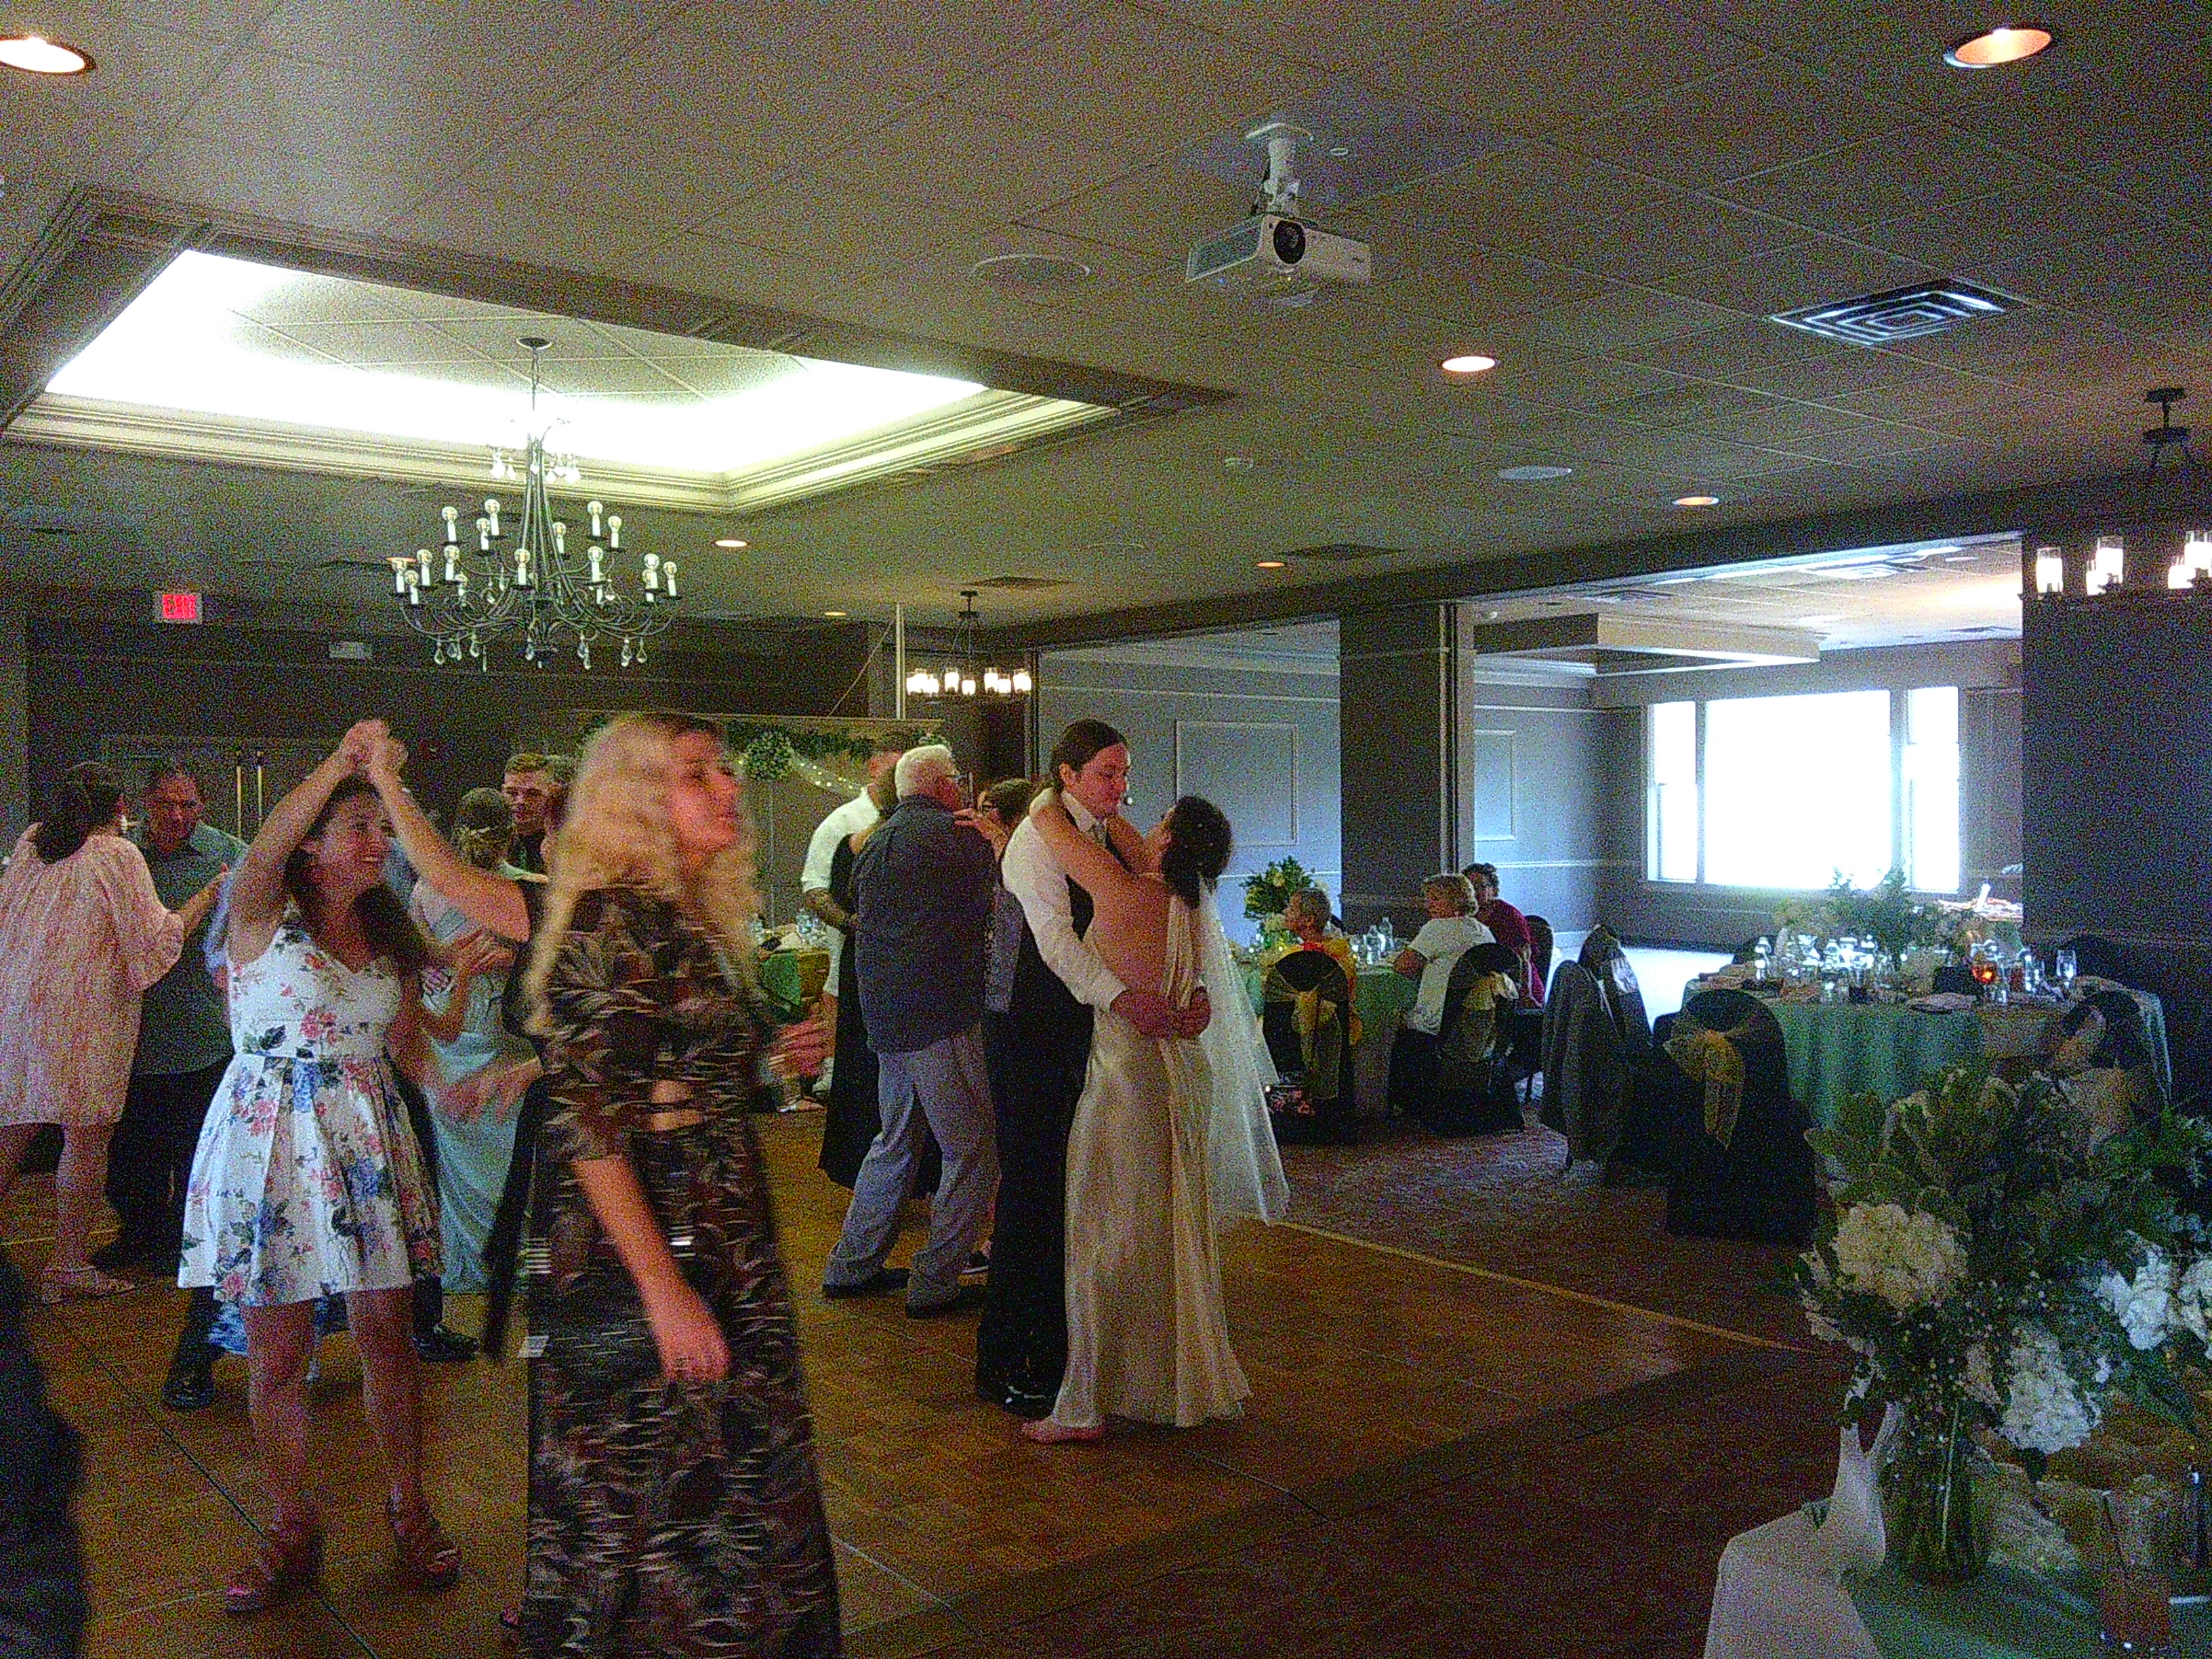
x=1496 y=1202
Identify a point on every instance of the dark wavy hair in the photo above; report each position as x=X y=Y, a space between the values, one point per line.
x=1199 y=843
x=87 y=797
x=391 y=931
x=1079 y=745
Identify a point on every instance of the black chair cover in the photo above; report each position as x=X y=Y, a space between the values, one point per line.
x=1759 y=1184
x=1324 y=1087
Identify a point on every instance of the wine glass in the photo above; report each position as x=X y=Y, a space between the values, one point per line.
x=2065 y=968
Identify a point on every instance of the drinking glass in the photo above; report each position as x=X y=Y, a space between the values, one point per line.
x=2143 y=1531
x=2066 y=970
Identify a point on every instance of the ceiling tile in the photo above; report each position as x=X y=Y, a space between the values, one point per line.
x=1342 y=34
x=1550 y=64
x=1142 y=83
x=391 y=37
x=990 y=164
x=573 y=160
x=372 y=340
x=1910 y=170
x=1752 y=116
x=1683 y=233
x=1624 y=314
x=1725 y=354
x=1823 y=268
x=317 y=188
x=1157 y=210
x=1962 y=237
x=1512 y=194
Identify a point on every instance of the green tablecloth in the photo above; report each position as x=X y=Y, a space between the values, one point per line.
x=1381 y=995
x=2003 y=1614
x=1841 y=1049
x=794 y=978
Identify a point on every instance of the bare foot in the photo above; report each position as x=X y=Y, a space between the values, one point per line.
x=1046 y=1433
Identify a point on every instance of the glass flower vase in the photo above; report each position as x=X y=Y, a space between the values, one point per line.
x=1938 y=1496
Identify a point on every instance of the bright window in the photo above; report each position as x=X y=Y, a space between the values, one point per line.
x=1784 y=793
x=1672 y=854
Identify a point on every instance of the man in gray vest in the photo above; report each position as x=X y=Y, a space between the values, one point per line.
x=184 y=1049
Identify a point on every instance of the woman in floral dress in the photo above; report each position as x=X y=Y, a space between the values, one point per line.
x=307 y=1181
x=674 y=1506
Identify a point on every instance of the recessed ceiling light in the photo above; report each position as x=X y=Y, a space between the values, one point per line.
x=1533 y=474
x=1469 y=362
x=731 y=541
x=43 y=57
x=833 y=614
x=1273 y=565
x=1938 y=550
x=2002 y=44
x=1697 y=501
x=1237 y=463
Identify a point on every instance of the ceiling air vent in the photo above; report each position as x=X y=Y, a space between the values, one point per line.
x=1898 y=313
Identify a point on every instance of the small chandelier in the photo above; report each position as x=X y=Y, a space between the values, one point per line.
x=516 y=574
x=960 y=676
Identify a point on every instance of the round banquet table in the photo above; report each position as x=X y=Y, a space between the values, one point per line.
x=1838 y=1050
x=1381 y=995
x=1773 y=1600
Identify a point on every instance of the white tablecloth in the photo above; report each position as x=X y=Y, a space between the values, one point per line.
x=1774 y=1599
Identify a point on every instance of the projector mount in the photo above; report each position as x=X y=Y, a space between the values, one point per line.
x=1279 y=185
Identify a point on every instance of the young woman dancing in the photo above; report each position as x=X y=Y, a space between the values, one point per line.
x=307 y=1181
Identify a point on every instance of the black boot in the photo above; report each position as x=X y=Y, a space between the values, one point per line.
x=433 y=1341
x=190 y=1386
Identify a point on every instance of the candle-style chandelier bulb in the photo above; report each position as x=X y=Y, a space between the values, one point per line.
x=597 y=509
x=452 y=518
x=491 y=515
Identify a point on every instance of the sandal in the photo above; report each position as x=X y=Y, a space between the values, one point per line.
x=58 y=1284
x=422 y=1551
x=1043 y=1431
x=282 y=1562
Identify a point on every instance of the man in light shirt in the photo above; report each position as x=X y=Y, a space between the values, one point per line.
x=1040 y=1048
x=857 y=814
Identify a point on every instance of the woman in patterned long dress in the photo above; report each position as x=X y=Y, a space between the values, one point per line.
x=674 y=1506
x=83 y=934
x=307 y=1181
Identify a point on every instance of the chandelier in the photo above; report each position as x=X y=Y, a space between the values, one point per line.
x=2105 y=570
x=516 y=574
x=960 y=676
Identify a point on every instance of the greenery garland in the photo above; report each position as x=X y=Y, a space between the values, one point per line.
x=767 y=757
x=743 y=735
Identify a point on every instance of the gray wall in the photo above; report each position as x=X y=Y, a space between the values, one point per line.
x=1401 y=815
x=1989 y=726
x=1534 y=791
x=1261 y=742
x=15 y=725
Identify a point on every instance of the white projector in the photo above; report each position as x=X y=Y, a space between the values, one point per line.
x=1272 y=252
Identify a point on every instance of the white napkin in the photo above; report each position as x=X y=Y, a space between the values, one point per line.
x=1850 y=1538
x=1944 y=1002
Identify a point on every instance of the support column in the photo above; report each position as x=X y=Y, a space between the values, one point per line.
x=1397 y=704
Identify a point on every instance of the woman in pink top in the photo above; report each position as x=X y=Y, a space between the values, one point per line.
x=83 y=934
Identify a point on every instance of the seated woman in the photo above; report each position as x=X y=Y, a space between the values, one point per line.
x=1450 y=931
x=1169 y=1139
x=1307 y=914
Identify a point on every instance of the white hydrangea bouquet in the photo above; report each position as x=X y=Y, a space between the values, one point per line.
x=1996 y=1260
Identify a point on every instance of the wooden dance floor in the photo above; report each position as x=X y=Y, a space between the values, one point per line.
x=1383 y=1384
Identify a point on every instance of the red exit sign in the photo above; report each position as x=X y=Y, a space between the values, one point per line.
x=180 y=607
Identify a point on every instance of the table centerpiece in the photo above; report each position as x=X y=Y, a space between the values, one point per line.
x=1267 y=892
x=2000 y=1262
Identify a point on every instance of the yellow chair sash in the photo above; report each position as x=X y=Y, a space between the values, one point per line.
x=1710 y=1058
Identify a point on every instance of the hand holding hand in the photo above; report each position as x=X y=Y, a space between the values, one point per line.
x=691 y=1344
x=479 y=952
x=985 y=824
x=1197 y=1016
x=361 y=740
x=801 y=1048
x=1149 y=1013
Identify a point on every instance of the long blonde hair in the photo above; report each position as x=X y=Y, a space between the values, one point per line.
x=617 y=833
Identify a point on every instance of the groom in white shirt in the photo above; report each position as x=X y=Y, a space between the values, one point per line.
x=1039 y=1049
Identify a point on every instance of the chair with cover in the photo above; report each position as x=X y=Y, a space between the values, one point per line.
x=1306 y=1019
x=1740 y=1166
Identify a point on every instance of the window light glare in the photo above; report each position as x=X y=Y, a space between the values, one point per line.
x=1471 y=362
x=1697 y=501
x=40 y=56
x=2002 y=44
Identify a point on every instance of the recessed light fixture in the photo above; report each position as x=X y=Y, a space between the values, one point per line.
x=1697 y=501
x=2003 y=45
x=1468 y=362
x=731 y=541
x=1273 y=565
x=1237 y=463
x=40 y=56
x=1939 y=549
x=1533 y=474
x=833 y=615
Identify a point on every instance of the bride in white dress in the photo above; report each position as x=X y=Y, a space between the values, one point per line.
x=1170 y=1139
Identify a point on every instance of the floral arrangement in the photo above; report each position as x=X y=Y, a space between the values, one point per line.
x=768 y=757
x=1267 y=892
x=1886 y=912
x=1996 y=1261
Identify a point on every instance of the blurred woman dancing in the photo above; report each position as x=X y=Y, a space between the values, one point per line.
x=674 y=1505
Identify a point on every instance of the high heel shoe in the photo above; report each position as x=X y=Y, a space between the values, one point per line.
x=284 y=1561
x=422 y=1553
x=58 y=1284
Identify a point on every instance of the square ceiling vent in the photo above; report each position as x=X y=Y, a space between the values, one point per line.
x=1898 y=313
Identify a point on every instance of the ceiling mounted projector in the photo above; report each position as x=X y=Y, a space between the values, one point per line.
x=1273 y=252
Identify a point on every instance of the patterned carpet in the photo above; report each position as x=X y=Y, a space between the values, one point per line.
x=1496 y=1202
